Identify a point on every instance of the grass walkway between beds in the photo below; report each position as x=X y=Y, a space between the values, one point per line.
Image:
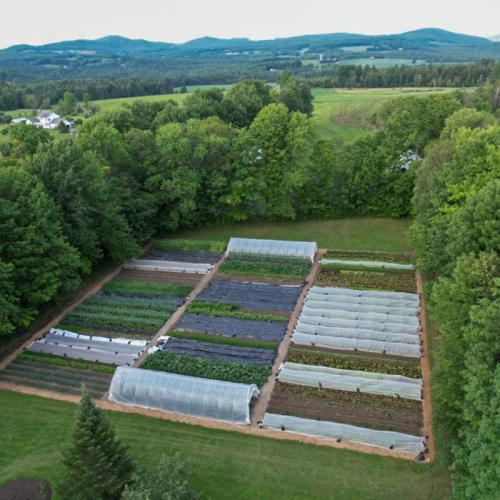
x=223 y=465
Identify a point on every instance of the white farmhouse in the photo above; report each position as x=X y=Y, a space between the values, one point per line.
x=49 y=119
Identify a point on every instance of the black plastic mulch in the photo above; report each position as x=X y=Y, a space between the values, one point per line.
x=254 y=296
x=271 y=331
x=210 y=350
x=201 y=256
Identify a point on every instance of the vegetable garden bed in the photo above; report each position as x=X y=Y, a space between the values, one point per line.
x=207 y=368
x=375 y=363
x=380 y=256
x=201 y=256
x=365 y=410
x=269 y=331
x=279 y=268
x=223 y=352
x=49 y=377
x=252 y=296
x=375 y=280
x=219 y=309
x=186 y=279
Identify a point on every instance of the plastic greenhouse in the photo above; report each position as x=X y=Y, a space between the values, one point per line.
x=199 y=397
x=383 y=439
x=300 y=249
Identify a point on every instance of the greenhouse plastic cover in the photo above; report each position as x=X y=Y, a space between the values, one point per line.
x=351 y=380
x=90 y=348
x=200 y=397
x=368 y=263
x=301 y=249
x=382 y=439
x=168 y=266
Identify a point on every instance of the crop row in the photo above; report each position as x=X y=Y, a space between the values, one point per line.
x=203 y=337
x=146 y=288
x=71 y=363
x=271 y=267
x=218 y=309
x=205 y=368
x=94 y=327
x=128 y=321
x=355 y=267
x=397 y=282
x=379 y=364
x=375 y=256
x=134 y=303
x=191 y=245
x=121 y=312
x=57 y=378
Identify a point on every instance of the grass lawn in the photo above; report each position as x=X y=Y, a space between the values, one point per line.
x=357 y=233
x=111 y=104
x=223 y=464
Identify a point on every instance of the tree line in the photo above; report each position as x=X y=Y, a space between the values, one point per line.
x=432 y=75
x=456 y=239
x=250 y=153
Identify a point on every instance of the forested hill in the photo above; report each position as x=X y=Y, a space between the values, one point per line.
x=237 y=58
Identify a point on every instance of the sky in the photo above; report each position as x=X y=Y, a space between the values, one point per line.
x=42 y=21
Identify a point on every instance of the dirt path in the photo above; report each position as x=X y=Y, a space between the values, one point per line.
x=213 y=424
x=426 y=375
x=266 y=392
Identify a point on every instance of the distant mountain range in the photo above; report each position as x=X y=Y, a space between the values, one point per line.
x=118 y=56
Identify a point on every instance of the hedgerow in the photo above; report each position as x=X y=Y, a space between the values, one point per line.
x=204 y=368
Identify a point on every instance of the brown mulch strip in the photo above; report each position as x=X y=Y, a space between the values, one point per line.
x=361 y=409
x=31 y=488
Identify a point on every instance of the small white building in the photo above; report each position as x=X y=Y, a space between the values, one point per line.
x=16 y=121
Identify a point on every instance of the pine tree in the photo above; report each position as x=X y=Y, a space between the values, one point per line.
x=97 y=464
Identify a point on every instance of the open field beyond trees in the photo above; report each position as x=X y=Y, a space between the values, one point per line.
x=357 y=233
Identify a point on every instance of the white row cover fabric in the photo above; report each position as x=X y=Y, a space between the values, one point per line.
x=382 y=439
x=353 y=344
x=168 y=266
x=357 y=333
x=369 y=263
x=351 y=380
x=313 y=317
x=366 y=293
x=320 y=309
x=301 y=249
x=320 y=295
x=89 y=348
x=195 y=396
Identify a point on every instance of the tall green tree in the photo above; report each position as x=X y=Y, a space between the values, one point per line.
x=96 y=464
x=38 y=262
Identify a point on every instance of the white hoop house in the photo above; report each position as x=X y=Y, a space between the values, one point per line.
x=199 y=397
x=280 y=248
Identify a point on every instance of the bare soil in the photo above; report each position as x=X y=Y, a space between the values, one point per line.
x=364 y=410
x=160 y=277
x=30 y=488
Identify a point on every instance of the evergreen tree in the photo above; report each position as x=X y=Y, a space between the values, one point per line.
x=97 y=464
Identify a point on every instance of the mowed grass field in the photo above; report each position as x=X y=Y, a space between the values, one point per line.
x=357 y=233
x=223 y=465
x=343 y=114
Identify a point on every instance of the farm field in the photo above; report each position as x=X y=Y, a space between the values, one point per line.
x=342 y=114
x=223 y=464
x=357 y=233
